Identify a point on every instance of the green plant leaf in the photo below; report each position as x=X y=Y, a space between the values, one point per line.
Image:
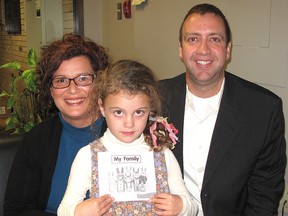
x=14 y=90
x=28 y=126
x=7 y=122
x=11 y=122
x=10 y=102
x=29 y=77
x=32 y=58
x=22 y=102
x=5 y=94
x=12 y=65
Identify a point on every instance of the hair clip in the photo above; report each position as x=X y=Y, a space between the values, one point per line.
x=166 y=127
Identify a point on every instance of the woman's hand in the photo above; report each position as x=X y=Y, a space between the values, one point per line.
x=167 y=204
x=94 y=206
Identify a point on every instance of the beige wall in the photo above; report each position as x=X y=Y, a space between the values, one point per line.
x=118 y=35
x=150 y=36
x=93 y=19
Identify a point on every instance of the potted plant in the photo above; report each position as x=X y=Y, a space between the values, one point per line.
x=22 y=100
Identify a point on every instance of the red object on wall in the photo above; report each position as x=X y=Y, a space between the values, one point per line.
x=127 y=8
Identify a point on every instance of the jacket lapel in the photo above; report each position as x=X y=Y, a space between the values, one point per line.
x=226 y=126
x=177 y=107
x=175 y=98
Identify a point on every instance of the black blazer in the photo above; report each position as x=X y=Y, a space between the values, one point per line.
x=30 y=178
x=245 y=167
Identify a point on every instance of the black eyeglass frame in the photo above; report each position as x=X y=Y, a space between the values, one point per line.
x=75 y=78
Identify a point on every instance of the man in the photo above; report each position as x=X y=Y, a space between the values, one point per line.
x=232 y=145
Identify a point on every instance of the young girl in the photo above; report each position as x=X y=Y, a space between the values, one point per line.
x=128 y=97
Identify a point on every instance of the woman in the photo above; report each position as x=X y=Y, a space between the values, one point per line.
x=41 y=167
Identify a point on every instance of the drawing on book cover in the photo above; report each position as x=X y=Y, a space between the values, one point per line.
x=127 y=177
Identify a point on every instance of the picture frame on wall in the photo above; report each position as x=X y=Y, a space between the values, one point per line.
x=12 y=16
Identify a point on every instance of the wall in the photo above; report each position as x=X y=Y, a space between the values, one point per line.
x=93 y=19
x=260 y=46
x=68 y=25
x=12 y=47
x=151 y=35
x=15 y=47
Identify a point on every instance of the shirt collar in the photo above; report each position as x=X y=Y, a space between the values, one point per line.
x=198 y=104
x=111 y=143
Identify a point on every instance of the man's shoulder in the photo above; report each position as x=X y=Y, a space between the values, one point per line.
x=179 y=78
x=175 y=83
x=247 y=87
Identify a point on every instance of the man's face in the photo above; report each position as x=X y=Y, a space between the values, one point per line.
x=204 y=50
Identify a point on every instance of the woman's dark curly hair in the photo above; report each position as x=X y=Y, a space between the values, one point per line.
x=133 y=78
x=70 y=46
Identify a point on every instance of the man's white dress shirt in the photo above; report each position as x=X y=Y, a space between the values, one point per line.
x=199 y=121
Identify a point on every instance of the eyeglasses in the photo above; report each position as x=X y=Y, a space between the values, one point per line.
x=63 y=82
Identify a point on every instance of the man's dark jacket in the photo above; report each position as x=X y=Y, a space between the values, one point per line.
x=245 y=168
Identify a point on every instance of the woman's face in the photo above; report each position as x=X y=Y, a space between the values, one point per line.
x=73 y=101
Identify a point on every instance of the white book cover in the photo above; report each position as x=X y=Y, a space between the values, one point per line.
x=127 y=177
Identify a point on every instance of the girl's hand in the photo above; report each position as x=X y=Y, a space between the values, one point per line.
x=167 y=204
x=94 y=206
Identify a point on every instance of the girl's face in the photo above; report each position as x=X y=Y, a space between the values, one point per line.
x=73 y=101
x=126 y=115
